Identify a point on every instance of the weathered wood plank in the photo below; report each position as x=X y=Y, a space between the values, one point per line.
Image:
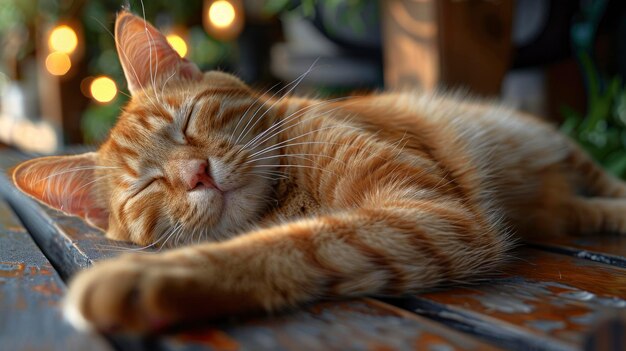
x=605 y=249
x=544 y=301
x=30 y=293
x=351 y=325
x=360 y=324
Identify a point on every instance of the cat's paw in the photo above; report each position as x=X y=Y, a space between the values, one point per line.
x=148 y=293
x=119 y=295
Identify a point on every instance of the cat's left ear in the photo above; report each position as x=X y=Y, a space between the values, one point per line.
x=146 y=56
x=67 y=183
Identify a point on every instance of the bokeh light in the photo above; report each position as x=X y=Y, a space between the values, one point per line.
x=178 y=44
x=222 y=13
x=63 y=39
x=103 y=89
x=58 y=63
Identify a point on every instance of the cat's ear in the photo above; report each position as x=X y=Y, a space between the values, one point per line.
x=66 y=183
x=146 y=56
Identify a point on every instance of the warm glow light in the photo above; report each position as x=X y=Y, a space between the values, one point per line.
x=223 y=19
x=103 y=89
x=58 y=63
x=222 y=14
x=178 y=44
x=63 y=39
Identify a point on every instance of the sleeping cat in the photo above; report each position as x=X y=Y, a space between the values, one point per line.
x=278 y=201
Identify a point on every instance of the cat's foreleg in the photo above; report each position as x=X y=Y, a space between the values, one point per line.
x=596 y=182
x=395 y=248
x=595 y=215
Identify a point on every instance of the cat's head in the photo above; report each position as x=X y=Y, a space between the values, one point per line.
x=179 y=165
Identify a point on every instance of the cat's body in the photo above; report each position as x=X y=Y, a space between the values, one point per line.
x=505 y=165
x=303 y=199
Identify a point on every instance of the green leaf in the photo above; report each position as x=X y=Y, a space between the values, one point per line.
x=572 y=121
x=620 y=108
x=273 y=7
x=617 y=166
x=308 y=8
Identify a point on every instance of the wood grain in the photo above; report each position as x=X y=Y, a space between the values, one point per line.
x=544 y=301
x=30 y=294
x=447 y=43
x=349 y=325
x=475 y=43
x=608 y=249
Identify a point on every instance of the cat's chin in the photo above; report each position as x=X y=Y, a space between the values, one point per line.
x=225 y=212
x=241 y=207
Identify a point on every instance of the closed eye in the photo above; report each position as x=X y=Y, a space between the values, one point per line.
x=188 y=119
x=145 y=186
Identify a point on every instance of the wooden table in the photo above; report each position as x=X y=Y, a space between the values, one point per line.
x=567 y=294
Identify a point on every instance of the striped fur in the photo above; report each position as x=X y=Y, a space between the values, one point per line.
x=385 y=194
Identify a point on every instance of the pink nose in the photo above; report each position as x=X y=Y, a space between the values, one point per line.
x=195 y=175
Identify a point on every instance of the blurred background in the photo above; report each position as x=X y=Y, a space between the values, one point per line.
x=61 y=83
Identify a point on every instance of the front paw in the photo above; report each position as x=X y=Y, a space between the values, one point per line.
x=122 y=294
x=148 y=293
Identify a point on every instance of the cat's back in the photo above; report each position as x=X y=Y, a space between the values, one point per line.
x=498 y=156
x=454 y=124
x=493 y=155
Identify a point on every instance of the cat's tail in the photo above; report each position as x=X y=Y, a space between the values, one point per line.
x=595 y=181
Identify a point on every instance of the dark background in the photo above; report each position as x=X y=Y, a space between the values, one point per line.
x=562 y=60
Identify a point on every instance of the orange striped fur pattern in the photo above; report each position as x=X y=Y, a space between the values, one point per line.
x=275 y=201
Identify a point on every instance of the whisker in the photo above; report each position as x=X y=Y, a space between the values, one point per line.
x=150 y=45
x=203 y=234
x=297 y=81
x=248 y=109
x=295 y=166
x=291 y=117
x=123 y=248
x=325 y=113
x=166 y=81
x=305 y=134
x=293 y=155
x=266 y=177
x=277 y=146
x=270 y=173
x=177 y=228
x=156 y=242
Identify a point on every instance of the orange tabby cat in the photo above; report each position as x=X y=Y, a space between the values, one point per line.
x=301 y=199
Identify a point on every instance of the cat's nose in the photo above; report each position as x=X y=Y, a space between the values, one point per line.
x=195 y=174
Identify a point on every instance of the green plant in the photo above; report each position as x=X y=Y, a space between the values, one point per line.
x=602 y=129
x=307 y=8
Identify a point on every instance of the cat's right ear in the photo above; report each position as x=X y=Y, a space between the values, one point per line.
x=146 y=56
x=66 y=183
